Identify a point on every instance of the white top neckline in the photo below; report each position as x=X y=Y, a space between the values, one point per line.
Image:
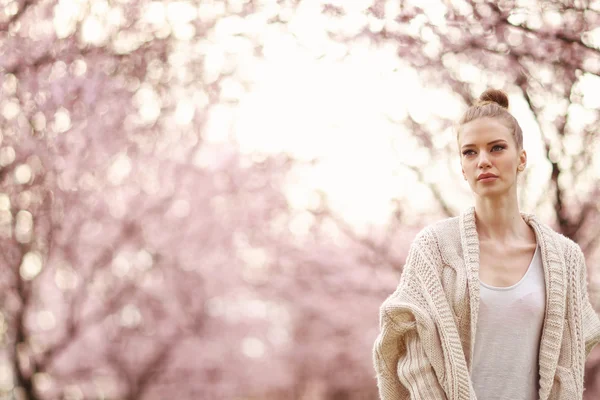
x=504 y=288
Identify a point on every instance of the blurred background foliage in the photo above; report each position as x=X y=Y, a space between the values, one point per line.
x=211 y=199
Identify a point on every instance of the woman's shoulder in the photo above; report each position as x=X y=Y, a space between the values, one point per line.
x=557 y=241
x=439 y=238
x=438 y=229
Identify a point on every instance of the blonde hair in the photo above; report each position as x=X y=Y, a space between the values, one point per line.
x=493 y=103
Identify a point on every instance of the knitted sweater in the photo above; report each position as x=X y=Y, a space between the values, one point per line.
x=425 y=347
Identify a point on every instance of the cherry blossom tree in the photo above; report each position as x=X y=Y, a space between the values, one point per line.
x=141 y=258
x=123 y=266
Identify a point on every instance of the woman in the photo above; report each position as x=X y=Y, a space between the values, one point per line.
x=492 y=304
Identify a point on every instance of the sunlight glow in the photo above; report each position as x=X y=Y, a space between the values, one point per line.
x=4 y=202
x=340 y=114
x=11 y=109
x=42 y=381
x=253 y=347
x=31 y=265
x=130 y=316
x=62 y=121
x=120 y=265
x=6 y=377
x=23 y=174
x=93 y=32
x=66 y=15
x=24 y=226
x=9 y=86
x=119 y=170
x=65 y=278
x=7 y=156
x=143 y=260
x=46 y=320
x=148 y=103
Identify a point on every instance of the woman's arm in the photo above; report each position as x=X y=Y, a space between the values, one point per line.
x=407 y=335
x=404 y=371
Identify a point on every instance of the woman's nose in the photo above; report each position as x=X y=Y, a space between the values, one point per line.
x=484 y=161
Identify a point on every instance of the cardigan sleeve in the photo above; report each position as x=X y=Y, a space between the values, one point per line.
x=403 y=369
x=590 y=320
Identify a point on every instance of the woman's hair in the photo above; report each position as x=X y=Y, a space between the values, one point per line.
x=493 y=103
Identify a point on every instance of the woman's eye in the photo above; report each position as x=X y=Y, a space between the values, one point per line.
x=468 y=152
x=498 y=148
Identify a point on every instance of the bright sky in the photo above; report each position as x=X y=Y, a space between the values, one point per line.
x=311 y=99
x=334 y=112
x=341 y=111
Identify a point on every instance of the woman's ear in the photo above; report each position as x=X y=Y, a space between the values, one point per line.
x=522 y=160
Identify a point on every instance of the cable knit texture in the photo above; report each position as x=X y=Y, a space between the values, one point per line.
x=425 y=347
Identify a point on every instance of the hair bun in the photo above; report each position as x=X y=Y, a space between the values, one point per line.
x=494 y=96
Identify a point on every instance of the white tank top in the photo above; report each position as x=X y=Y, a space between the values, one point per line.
x=509 y=328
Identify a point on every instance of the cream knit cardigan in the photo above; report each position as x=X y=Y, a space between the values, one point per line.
x=425 y=346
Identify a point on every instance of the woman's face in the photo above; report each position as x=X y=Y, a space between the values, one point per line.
x=489 y=157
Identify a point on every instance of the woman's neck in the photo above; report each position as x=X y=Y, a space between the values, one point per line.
x=499 y=219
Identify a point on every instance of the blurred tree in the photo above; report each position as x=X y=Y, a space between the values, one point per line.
x=332 y=289
x=143 y=257
x=126 y=251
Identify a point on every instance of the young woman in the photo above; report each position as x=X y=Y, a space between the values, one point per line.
x=493 y=304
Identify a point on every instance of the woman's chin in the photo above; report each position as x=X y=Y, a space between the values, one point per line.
x=494 y=191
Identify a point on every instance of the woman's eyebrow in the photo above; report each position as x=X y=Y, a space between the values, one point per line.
x=492 y=142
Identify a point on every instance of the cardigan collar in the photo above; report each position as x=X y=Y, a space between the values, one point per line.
x=554 y=274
